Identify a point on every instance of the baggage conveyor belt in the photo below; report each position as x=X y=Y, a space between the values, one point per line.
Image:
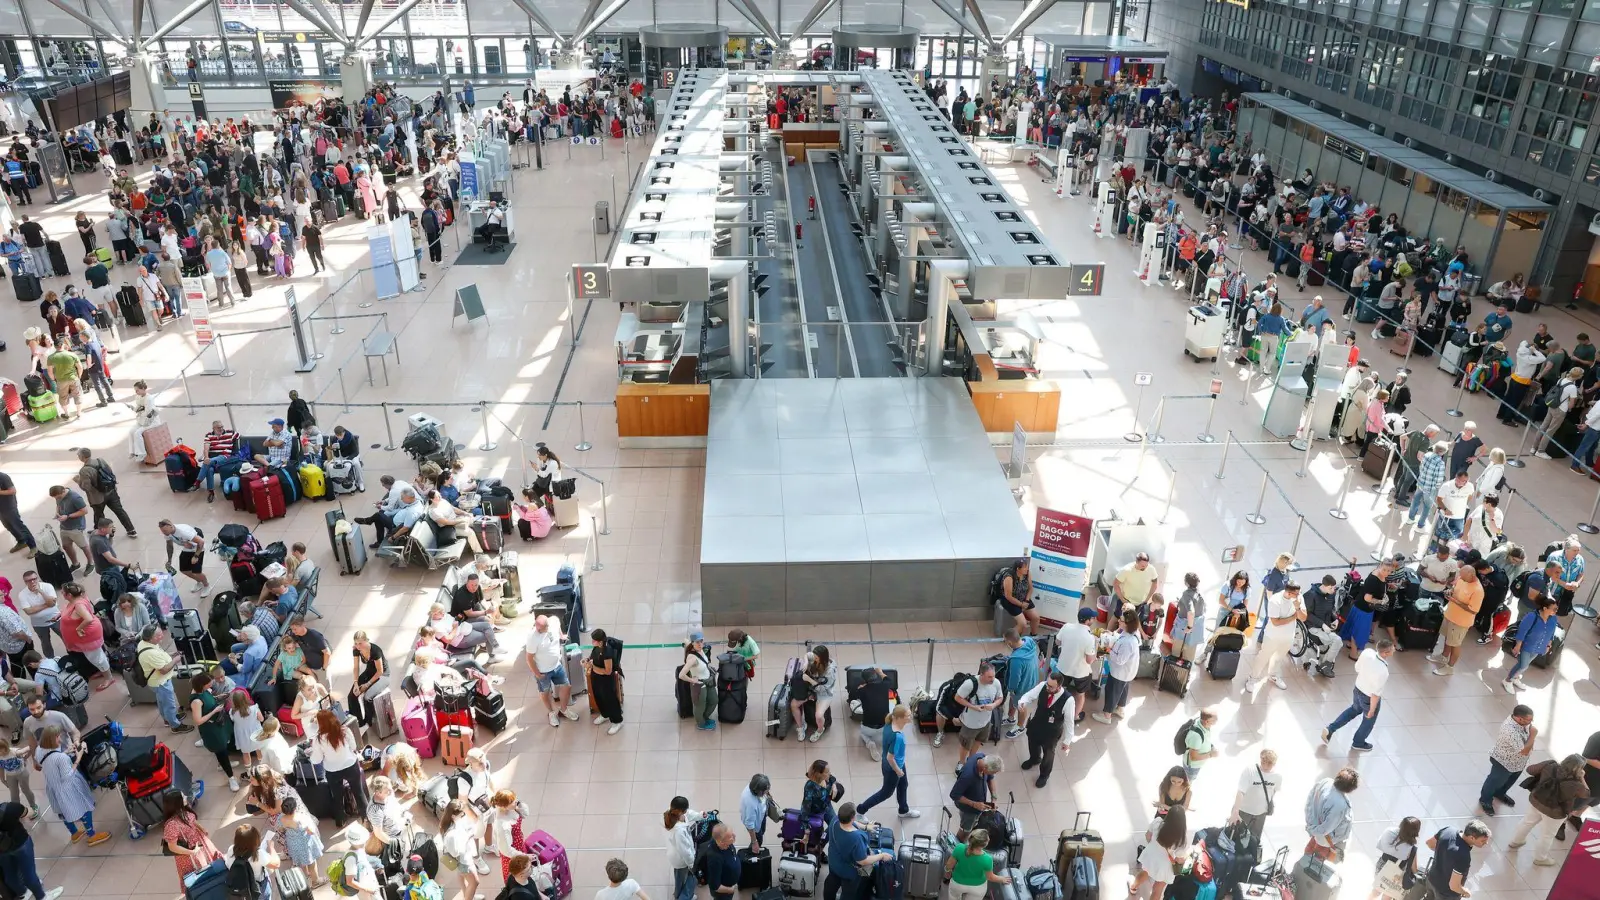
x=826 y=349
x=866 y=335
x=782 y=353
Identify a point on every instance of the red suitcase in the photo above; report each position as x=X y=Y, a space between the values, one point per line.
x=266 y=495
x=243 y=499
x=461 y=717
x=13 y=399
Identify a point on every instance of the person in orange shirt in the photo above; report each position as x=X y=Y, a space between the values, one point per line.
x=1307 y=253
x=1461 y=607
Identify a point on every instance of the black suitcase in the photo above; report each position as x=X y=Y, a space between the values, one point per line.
x=1174 y=677
x=685 y=698
x=1419 y=627
x=27 y=287
x=491 y=704
x=495 y=722
x=58 y=258
x=1526 y=304
x=1224 y=664
x=755 y=869
x=128 y=302
x=315 y=792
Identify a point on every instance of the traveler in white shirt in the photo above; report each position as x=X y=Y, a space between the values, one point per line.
x=37 y=599
x=1372 y=674
x=1258 y=793
x=1566 y=390
x=1451 y=503
x=547 y=660
x=1076 y=658
x=1438 y=571
x=1285 y=612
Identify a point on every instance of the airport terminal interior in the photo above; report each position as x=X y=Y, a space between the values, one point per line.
x=802 y=321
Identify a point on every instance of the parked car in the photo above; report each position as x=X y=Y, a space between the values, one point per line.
x=825 y=51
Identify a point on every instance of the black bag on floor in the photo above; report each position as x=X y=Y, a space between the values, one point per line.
x=128 y=302
x=685 y=698
x=27 y=287
x=755 y=869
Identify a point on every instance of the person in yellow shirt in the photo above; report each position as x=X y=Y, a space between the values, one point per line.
x=1461 y=607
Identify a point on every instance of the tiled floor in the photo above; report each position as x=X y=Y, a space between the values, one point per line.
x=602 y=795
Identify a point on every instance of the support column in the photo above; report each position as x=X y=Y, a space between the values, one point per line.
x=738 y=278
x=355 y=78
x=994 y=63
x=147 y=94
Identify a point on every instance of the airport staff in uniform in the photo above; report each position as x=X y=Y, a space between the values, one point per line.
x=1047 y=715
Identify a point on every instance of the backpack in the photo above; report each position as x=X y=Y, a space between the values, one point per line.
x=700 y=833
x=947 y=694
x=241 y=881
x=997 y=583
x=336 y=876
x=1180 y=741
x=70 y=688
x=105 y=478
x=137 y=672
x=1552 y=397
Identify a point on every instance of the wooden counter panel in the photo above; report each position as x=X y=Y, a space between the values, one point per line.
x=1000 y=404
x=663 y=410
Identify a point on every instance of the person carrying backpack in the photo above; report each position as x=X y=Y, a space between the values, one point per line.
x=353 y=875
x=248 y=863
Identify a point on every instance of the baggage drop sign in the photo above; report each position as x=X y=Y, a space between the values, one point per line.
x=1059 y=564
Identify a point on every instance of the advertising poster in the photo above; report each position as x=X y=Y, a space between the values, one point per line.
x=1059 y=564
x=469 y=175
x=287 y=92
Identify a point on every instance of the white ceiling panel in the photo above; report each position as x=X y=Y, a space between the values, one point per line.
x=1063 y=18
x=48 y=21
x=486 y=17
x=871 y=12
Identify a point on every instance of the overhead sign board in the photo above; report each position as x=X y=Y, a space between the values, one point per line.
x=1085 y=279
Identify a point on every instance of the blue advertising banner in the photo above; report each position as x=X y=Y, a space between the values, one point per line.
x=469 y=178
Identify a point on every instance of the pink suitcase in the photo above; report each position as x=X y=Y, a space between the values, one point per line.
x=419 y=728
x=157 y=441
x=546 y=849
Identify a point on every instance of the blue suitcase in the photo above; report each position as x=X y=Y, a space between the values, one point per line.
x=210 y=883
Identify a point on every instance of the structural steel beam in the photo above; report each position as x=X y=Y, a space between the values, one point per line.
x=317 y=19
x=184 y=15
x=1030 y=15
x=583 y=20
x=335 y=27
x=361 y=20
x=400 y=11
x=602 y=17
x=111 y=18
x=817 y=12
x=977 y=16
x=754 y=17
x=92 y=24
x=955 y=13
x=539 y=17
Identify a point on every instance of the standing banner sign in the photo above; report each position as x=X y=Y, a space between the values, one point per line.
x=198 y=306
x=404 y=252
x=1059 y=564
x=469 y=175
x=385 y=277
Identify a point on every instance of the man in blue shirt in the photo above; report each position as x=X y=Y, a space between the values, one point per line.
x=847 y=853
x=217 y=264
x=1452 y=856
x=722 y=863
x=972 y=789
x=1499 y=325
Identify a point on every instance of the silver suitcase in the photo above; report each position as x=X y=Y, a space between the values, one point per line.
x=1013 y=891
x=1450 y=358
x=137 y=693
x=575 y=673
x=350 y=550
x=1315 y=880
x=922 y=865
x=797 y=874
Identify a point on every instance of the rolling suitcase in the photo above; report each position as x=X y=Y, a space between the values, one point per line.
x=755 y=869
x=685 y=696
x=548 y=851
x=128 y=302
x=566 y=512
x=210 y=883
x=1174 y=677
x=384 y=723
x=575 y=673
x=1078 y=841
x=104 y=255
x=1315 y=879
x=27 y=287
x=1376 y=462
x=1450 y=358
x=1224 y=664
x=58 y=258
x=454 y=742
x=922 y=867
x=137 y=693
x=1013 y=890
x=797 y=874
x=490 y=532
x=420 y=731
x=350 y=548
x=157 y=442
x=313 y=484
x=266 y=496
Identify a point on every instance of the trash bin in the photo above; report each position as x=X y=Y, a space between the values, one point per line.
x=602 y=217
